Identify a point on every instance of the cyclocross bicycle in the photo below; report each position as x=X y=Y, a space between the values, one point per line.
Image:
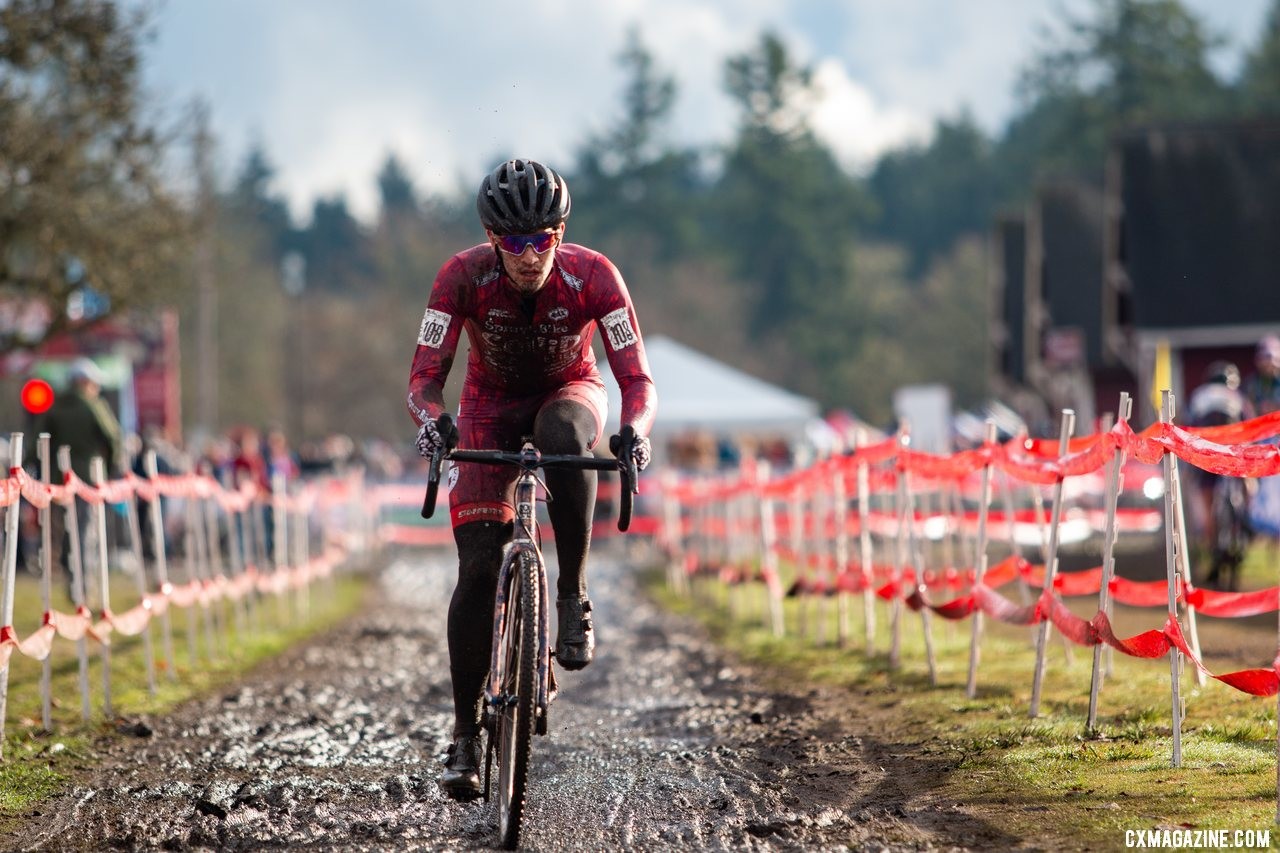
x=521 y=683
x=1229 y=507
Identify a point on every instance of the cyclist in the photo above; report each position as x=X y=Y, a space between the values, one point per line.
x=530 y=303
x=81 y=419
x=1263 y=388
x=1263 y=392
x=1222 y=500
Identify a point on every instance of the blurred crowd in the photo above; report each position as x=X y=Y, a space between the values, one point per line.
x=703 y=452
x=246 y=452
x=82 y=421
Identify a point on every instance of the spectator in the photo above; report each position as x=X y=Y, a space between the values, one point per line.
x=248 y=462
x=340 y=451
x=81 y=420
x=1263 y=388
x=216 y=459
x=280 y=459
x=1263 y=391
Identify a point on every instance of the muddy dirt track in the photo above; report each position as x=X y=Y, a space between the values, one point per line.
x=660 y=744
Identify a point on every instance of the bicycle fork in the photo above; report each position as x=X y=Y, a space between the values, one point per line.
x=493 y=686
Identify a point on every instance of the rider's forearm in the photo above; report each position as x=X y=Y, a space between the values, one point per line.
x=426 y=391
x=639 y=402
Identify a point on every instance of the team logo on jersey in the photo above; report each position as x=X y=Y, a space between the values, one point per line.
x=482 y=280
x=453 y=476
x=571 y=280
x=422 y=413
x=500 y=313
x=617 y=329
x=558 y=313
x=435 y=324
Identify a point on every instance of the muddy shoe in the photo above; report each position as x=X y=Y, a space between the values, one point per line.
x=576 y=641
x=461 y=777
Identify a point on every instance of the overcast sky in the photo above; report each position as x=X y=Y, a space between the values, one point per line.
x=330 y=87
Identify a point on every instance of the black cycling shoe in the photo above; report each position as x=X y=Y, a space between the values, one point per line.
x=461 y=777
x=575 y=641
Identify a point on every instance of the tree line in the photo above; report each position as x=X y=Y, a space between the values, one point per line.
x=762 y=251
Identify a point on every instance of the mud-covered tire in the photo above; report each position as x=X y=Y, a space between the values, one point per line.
x=515 y=719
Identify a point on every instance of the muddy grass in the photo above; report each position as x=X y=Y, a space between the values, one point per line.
x=1045 y=781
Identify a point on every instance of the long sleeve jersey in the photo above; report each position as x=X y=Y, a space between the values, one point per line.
x=521 y=345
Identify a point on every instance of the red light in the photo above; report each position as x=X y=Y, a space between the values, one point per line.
x=37 y=396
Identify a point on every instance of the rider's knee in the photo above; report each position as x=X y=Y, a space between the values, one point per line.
x=564 y=426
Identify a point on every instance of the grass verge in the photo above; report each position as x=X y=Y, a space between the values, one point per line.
x=1046 y=779
x=38 y=763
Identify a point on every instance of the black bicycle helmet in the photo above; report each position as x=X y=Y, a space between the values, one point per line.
x=1223 y=373
x=521 y=197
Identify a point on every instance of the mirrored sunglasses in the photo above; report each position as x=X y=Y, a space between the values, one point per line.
x=514 y=244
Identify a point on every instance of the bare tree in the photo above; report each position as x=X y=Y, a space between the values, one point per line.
x=83 y=207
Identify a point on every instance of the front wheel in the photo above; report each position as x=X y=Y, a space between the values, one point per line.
x=515 y=710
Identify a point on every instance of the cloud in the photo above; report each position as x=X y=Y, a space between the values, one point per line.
x=848 y=119
x=330 y=87
x=939 y=58
x=343 y=157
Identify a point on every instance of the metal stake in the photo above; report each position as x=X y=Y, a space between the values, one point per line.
x=46 y=582
x=1170 y=541
x=980 y=566
x=78 y=596
x=98 y=473
x=10 y=574
x=1051 y=561
x=156 y=513
x=1108 y=562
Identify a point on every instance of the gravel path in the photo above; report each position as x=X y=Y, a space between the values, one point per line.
x=661 y=744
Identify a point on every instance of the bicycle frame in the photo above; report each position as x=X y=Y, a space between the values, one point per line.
x=525 y=538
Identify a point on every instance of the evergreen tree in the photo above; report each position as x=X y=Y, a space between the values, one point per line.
x=253 y=202
x=786 y=210
x=415 y=235
x=1260 y=82
x=927 y=196
x=339 y=259
x=395 y=189
x=1132 y=62
x=627 y=181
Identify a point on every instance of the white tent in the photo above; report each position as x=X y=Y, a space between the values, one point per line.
x=697 y=392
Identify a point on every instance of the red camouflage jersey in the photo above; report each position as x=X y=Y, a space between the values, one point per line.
x=520 y=346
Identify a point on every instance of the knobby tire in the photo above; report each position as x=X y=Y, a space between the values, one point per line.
x=515 y=720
